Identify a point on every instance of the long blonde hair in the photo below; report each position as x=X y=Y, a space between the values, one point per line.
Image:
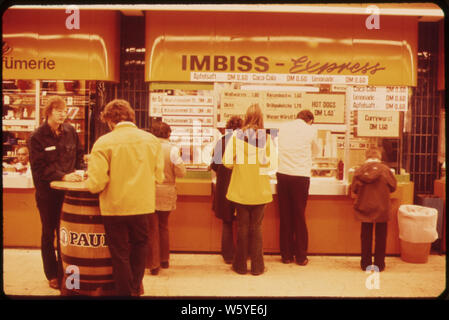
x=253 y=118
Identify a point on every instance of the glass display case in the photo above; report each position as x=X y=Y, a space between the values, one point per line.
x=20 y=114
x=23 y=111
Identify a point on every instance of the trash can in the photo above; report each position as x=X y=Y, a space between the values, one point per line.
x=417 y=230
x=433 y=201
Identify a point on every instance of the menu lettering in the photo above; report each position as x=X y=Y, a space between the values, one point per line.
x=283 y=105
x=374 y=123
x=379 y=98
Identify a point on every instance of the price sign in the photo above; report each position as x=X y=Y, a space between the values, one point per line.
x=326 y=108
x=379 y=98
x=374 y=123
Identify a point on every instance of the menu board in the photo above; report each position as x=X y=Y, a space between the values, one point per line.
x=374 y=123
x=188 y=116
x=156 y=104
x=378 y=98
x=278 y=106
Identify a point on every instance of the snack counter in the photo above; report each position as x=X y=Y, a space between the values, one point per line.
x=331 y=224
x=194 y=228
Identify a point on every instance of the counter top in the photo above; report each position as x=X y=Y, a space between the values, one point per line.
x=199 y=187
x=319 y=186
x=68 y=185
x=15 y=180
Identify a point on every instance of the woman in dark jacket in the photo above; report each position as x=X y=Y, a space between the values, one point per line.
x=223 y=208
x=372 y=183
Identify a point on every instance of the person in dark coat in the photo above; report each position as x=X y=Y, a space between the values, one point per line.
x=55 y=154
x=223 y=208
x=372 y=183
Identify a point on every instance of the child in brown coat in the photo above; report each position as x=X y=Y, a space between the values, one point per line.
x=372 y=183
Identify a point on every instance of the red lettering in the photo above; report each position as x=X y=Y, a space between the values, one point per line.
x=303 y=64
x=245 y=61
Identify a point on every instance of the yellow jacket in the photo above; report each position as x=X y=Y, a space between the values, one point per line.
x=251 y=166
x=124 y=166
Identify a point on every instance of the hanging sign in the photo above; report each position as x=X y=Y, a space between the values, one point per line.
x=37 y=44
x=187 y=100
x=374 y=123
x=265 y=47
x=379 y=98
x=278 y=106
x=277 y=78
x=326 y=108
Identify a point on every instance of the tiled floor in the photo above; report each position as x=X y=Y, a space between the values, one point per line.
x=205 y=275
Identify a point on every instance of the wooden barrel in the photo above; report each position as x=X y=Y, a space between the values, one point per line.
x=83 y=247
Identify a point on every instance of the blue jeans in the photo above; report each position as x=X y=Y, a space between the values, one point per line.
x=249 y=238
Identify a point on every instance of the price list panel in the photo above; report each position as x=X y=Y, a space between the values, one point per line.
x=279 y=106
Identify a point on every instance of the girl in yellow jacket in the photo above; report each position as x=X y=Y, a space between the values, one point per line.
x=252 y=158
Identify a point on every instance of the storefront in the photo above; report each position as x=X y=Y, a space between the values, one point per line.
x=43 y=57
x=202 y=67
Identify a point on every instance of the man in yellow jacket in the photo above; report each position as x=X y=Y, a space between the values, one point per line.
x=123 y=167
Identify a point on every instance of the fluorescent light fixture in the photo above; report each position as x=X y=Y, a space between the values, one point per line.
x=398 y=9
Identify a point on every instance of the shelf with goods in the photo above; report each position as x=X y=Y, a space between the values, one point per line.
x=23 y=109
x=19 y=105
x=324 y=167
x=20 y=115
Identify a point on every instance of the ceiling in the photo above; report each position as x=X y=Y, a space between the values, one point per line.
x=424 y=11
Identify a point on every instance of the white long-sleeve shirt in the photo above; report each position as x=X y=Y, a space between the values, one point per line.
x=297 y=142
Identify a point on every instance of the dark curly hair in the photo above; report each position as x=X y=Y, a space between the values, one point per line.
x=160 y=129
x=118 y=110
x=305 y=115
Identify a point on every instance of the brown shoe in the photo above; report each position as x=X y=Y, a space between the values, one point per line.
x=139 y=293
x=237 y=271
x=154 y=271
x=259 y=273
x=53 y=283
x=305 y=262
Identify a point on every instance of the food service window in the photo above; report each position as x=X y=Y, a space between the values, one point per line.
x=347 y=125
x=190 y=112
x=378 y=118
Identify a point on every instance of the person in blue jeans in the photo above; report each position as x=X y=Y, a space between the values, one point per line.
x=223 y=208
x=252 y=156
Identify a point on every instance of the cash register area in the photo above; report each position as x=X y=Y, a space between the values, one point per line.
x=206 y=275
